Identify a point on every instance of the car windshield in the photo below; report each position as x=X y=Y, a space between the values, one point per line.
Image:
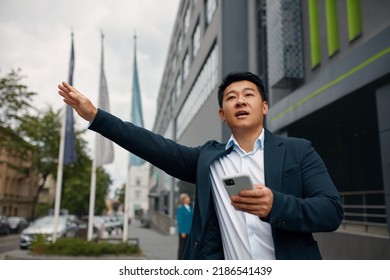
x=48 y=220
x=14 y=219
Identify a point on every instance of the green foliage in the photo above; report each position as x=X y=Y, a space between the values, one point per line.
x=80 y=247
x=34 y=135
x=120 y=194
x=41 y=209
x=15 y=99
x=43 y=132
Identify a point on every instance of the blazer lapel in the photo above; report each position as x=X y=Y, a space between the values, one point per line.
x=273 y=161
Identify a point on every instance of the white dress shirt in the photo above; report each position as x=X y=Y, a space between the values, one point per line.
x=244 y=236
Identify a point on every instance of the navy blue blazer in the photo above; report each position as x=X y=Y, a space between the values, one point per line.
x=305 y=198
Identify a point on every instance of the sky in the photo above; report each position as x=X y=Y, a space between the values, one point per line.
x=35 y=36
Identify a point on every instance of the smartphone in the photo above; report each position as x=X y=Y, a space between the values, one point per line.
x=235 y=183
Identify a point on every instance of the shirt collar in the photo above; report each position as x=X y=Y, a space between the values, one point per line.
x=258 y=144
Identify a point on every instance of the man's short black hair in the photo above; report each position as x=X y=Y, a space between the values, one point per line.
x=240 y=76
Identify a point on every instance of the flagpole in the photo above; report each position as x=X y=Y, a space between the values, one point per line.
x=127 y=186
x=60 y=168
x=70 y=158
x=126 y=208
x=104 y=149
x=92 y=198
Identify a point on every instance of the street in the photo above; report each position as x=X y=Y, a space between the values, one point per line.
x=155 y=246
x=9 y=242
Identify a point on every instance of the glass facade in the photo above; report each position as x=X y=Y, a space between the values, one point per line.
x=203 y=86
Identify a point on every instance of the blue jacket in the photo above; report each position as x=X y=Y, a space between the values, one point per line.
x=305 y=198
x=184 y=219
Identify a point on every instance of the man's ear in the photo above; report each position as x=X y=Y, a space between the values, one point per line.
x=265 y=107
x=221 y=114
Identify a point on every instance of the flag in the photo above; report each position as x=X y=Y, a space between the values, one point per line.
x=104 y=149
x=70 y=155
x=136 y=106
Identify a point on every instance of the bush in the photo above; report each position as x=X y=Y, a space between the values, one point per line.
x=80 y=247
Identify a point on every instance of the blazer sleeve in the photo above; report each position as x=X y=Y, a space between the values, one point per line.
x=308 y=201
x=177 y=160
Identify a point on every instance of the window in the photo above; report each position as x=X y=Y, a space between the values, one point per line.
x=179 y=43
x=211 y=7
x=173 y=66
x=196 y=40
x=178 y=85
x=187 y=20
x=186 y=67
x=203 y=86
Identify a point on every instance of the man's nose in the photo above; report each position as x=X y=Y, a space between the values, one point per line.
x=240 y=101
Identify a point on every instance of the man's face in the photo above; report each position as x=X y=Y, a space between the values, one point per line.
x=243 y=107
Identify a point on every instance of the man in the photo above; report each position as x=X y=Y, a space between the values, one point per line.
x=293 y=195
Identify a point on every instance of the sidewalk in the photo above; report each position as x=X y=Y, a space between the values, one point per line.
x=154 y=245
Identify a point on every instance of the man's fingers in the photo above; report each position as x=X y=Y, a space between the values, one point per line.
x=67 y=86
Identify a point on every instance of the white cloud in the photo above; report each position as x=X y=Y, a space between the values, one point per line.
x=35 y=37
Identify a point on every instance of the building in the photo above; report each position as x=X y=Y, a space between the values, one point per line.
x=138 y=180
x=18 y=181
x=325 y=65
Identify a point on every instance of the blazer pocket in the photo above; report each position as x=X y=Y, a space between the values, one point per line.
x=290 y=171
x=292 y=181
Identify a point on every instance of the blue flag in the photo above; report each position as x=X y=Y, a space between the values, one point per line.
x=70 y=138
x=136 y=107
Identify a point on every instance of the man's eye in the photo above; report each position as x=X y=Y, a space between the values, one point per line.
x=230 y=98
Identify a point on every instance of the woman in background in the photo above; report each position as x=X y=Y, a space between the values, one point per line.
x=184 y=220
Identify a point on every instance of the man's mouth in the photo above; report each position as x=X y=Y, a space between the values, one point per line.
x=241 y=114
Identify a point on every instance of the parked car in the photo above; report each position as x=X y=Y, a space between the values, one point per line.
x=44 y=226
x=17 y=224
x=114 y=223
x=4 y=225
x=110 y=224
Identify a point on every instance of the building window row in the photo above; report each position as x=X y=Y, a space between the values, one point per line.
x=203 y=86
x=210 y=6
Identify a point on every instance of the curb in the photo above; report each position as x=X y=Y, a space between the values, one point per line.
x=27 y=255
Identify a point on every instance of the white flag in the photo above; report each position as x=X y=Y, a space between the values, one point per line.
x=104 y=149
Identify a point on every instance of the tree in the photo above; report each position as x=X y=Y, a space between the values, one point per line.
x=120 y=194
x=43 y=130
x=38 y=135
x=15 y=99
